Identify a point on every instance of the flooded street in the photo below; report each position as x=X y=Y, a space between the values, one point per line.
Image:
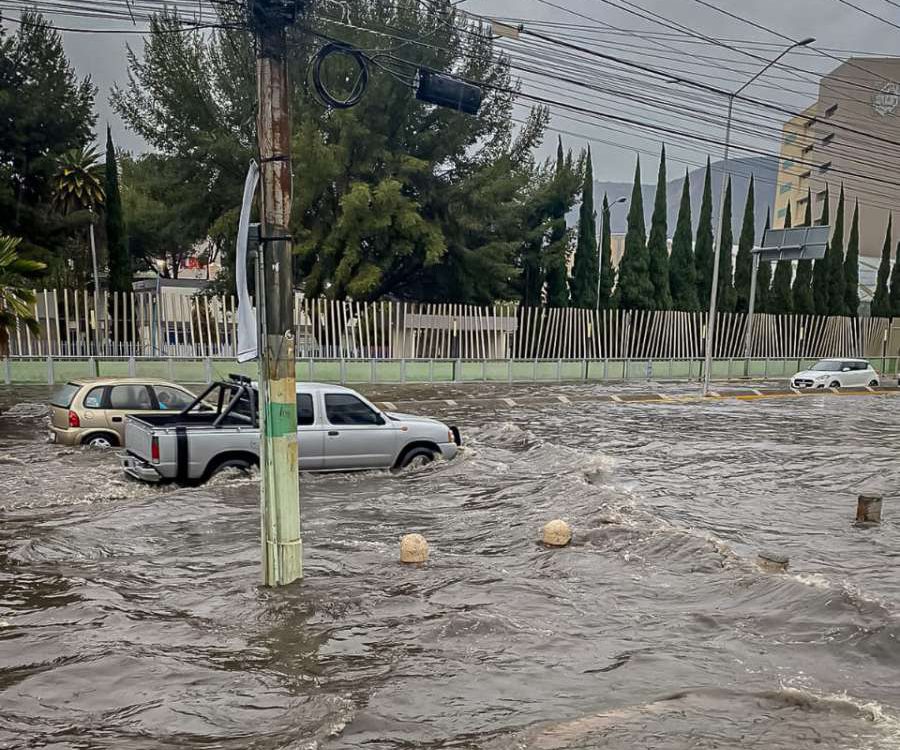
x=131 y=616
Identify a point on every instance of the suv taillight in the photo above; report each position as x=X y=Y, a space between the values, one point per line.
x=74 y=421
x=154 y=450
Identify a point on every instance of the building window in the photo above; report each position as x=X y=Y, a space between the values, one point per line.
x=831 y=110
x=782 y=212
x=785 y=188
x=790 y=138
x=787 y=163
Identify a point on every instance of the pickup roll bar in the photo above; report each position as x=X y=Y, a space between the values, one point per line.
x=237 y=388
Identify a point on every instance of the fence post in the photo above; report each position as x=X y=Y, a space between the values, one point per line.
x=50 y=378
x=311 y=370
x=483 y=370
x=766 y=369
x=431 y=370
x=509 y=371
x=403 y=370
x=93 y=369
x=605 y=368
x=457 y=370
x=171 y=368
x=559 y=370
x=343 y=371
x=585 y=371
x=7 y=371
x=372 y=370
x=207 y=369
x=132 y=369
x=649 y=369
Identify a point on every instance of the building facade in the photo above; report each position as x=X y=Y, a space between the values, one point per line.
x=849 y=137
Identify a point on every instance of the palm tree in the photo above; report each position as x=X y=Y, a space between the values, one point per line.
x=16 y=299
x=78 y=185
x=78 y=182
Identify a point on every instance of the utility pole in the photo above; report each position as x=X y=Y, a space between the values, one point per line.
x=279 y=485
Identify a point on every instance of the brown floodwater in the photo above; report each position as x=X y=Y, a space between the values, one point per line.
x=131 y=616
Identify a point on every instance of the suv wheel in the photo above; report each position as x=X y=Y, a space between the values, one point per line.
x=100 y=441
x=417 y=458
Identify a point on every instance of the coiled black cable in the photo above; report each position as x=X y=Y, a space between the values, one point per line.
x=360 y=85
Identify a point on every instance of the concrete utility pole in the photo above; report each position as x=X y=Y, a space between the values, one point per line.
x=280 y=485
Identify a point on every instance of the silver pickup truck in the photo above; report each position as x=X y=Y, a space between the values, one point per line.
x=338 y=430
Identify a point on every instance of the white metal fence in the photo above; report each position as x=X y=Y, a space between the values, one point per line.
x=174 y=325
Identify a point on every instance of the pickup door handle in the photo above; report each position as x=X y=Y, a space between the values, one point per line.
x=117 y=419
x=333 y=433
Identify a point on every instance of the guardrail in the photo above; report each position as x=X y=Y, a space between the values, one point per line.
x=51 y=370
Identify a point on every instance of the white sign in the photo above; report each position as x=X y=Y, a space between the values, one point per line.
x=886 y=101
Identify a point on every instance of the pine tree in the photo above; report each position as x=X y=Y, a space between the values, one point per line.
x=802 y=290
x=635 y=289
x=764 y=279
x=837 y=304
x=703 y=247
x=557 y=250
x=780 y=301
x=585 y=268
x=607 y=272
x=682 y=271
x=657 y=245
x=851 y=268
x=820 y=268
x=116 y=240
x=894 y=297
x=743 y=268
x=881 y=303
x=725 y=297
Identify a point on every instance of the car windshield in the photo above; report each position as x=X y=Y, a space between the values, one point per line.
x=63 y=397
x=827 y=365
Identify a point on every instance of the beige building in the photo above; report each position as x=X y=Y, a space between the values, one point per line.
x=847 y=137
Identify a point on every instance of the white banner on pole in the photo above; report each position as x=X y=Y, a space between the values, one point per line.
x=247 y=342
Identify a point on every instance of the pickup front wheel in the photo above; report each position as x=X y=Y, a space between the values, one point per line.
x=417 y=457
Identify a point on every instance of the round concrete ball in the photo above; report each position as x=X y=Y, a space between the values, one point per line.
x=557 y=533
x=413 y=549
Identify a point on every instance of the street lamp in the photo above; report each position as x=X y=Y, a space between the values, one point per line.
x=711 y=319
x=605 y=223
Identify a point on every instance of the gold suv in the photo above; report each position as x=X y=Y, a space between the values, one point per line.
x=92 y=411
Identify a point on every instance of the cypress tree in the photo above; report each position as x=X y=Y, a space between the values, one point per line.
x=585 y=268
x=657 y=245
x=607 y=272
x=820 y=269
x=851 y=268
x=780 y=301
x=743 y=267
x=764 y=278
x=837 y=304
x=894 y=297
x=725 y=298
x=682 y=272
x=635 y=290
x=116 y=241
x=557 y=249
x=703 y=247
x=802 y=291
x=881 y=303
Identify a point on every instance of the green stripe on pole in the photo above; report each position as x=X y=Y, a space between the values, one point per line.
x=280 y=420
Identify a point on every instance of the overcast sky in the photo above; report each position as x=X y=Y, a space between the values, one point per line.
x=835 y=26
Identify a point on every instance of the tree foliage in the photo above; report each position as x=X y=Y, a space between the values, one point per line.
x=851 y=268
x=556 y=253
x=802 y=289
x=45 y=111
x=764 y=279
x=743 y=267
x=635 y=289
x=16 y=298
x=881 y=301
x=682 y=271
x=585 y=269
x=657 y=245
x=607 y=272
x=834 y=263
x=780 y=299
x=117 y=254
x=725 y=296
x=820 y=267
x=703 y=246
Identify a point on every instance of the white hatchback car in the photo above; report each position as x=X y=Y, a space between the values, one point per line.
x=836 y=373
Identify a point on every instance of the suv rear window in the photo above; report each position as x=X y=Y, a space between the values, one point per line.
x=64 y=396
